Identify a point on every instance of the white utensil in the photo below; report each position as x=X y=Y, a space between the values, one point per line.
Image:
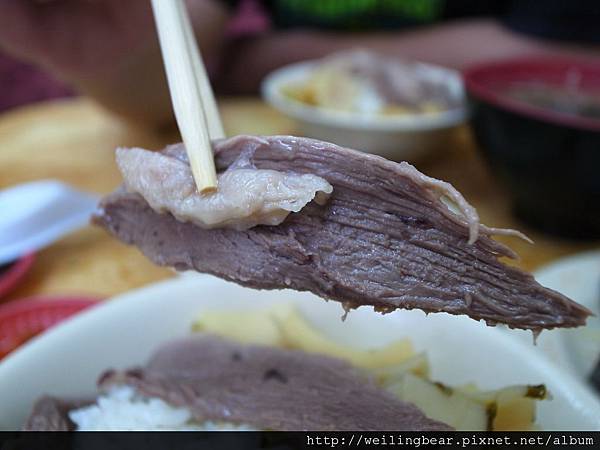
x=33 y=215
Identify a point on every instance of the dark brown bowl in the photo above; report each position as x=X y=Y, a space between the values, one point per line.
x=548 y=160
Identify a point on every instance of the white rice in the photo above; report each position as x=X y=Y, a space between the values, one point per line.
x=121 y=409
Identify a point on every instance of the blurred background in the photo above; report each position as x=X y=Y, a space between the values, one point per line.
x=500 y=98
x=54 y=48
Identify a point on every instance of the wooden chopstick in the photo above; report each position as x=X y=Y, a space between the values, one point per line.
x=185 y=73
x=211 y=110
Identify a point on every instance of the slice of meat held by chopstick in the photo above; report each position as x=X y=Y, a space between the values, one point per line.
x=384 y=238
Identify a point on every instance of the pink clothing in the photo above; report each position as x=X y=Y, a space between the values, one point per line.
x=249 y=19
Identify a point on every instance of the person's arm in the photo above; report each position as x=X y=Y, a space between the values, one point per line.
x=107 y=49
x=455 y=44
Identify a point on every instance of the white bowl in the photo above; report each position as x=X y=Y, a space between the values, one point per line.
x=402 y=137
x=67 y=360
x=578 y=277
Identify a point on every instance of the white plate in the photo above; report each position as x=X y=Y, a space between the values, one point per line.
x=395 y=137
x=578 y=277
x=121 y=333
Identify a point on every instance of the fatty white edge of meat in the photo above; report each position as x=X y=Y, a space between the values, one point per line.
x=271 y=213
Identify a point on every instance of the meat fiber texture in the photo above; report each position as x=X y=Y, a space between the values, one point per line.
x=265 y=388
x=386 y=237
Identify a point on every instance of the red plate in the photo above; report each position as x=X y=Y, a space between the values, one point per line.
x=14 y=273
x=21 y=320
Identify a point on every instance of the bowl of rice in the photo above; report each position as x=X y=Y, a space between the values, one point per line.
x=67 y=361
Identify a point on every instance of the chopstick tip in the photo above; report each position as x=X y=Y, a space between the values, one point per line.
x=208 y=189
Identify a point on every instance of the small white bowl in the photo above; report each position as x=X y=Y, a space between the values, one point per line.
x=401 y=137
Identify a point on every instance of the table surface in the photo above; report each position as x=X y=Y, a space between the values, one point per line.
x=74 y=141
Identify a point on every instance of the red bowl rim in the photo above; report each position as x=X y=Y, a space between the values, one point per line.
x=15 y=273
x=26 y=304
x=29 y=316
x=475 y=83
